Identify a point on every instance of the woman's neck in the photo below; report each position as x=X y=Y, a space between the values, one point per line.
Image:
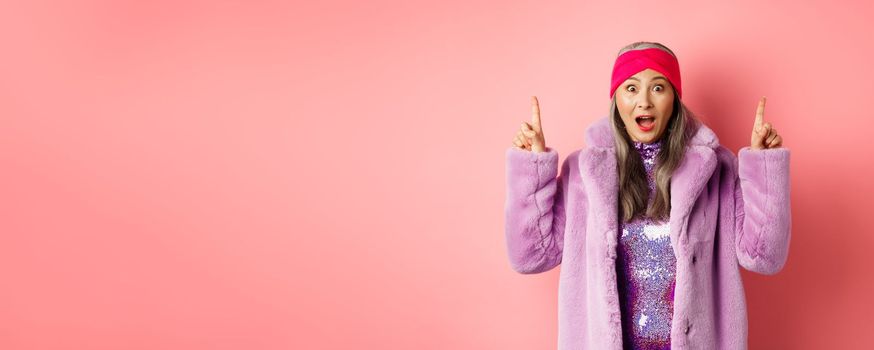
x=648 y=150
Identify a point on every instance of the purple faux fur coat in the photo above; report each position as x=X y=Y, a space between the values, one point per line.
x=726 y=212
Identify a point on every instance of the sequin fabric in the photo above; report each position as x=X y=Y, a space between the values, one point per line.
x=646 y=268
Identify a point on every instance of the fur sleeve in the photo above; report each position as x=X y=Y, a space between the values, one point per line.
x=762 y=210
x=534 y=209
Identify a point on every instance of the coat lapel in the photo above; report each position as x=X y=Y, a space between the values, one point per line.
x=600 y=178
x=687 y=182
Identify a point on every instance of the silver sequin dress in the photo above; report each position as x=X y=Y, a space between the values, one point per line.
x=645 y=267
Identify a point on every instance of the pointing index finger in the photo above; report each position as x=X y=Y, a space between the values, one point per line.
x=535 y=113
x=760 y=114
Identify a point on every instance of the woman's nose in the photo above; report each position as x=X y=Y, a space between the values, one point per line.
x=644 y=101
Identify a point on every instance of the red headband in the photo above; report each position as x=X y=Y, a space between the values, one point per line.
x=631 y=62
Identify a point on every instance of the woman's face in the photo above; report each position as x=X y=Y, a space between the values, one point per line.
x=645 y=102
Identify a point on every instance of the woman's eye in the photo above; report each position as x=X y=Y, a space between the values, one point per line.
x=658 y=88
x=630 y=88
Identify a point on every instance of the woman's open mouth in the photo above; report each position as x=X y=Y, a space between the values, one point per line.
x=645 y=122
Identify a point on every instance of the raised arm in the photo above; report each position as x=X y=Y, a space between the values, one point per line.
x=762 y=204
x=534 y=206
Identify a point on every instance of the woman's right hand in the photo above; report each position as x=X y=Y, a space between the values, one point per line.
x=530 y=136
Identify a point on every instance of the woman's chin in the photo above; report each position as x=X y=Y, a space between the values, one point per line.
x=646 y=136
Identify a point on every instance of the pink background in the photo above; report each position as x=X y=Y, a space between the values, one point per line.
x=330 y=175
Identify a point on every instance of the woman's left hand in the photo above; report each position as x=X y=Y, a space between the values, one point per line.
x=764 y=135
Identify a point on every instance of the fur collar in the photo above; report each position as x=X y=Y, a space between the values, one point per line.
x=597 y=164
